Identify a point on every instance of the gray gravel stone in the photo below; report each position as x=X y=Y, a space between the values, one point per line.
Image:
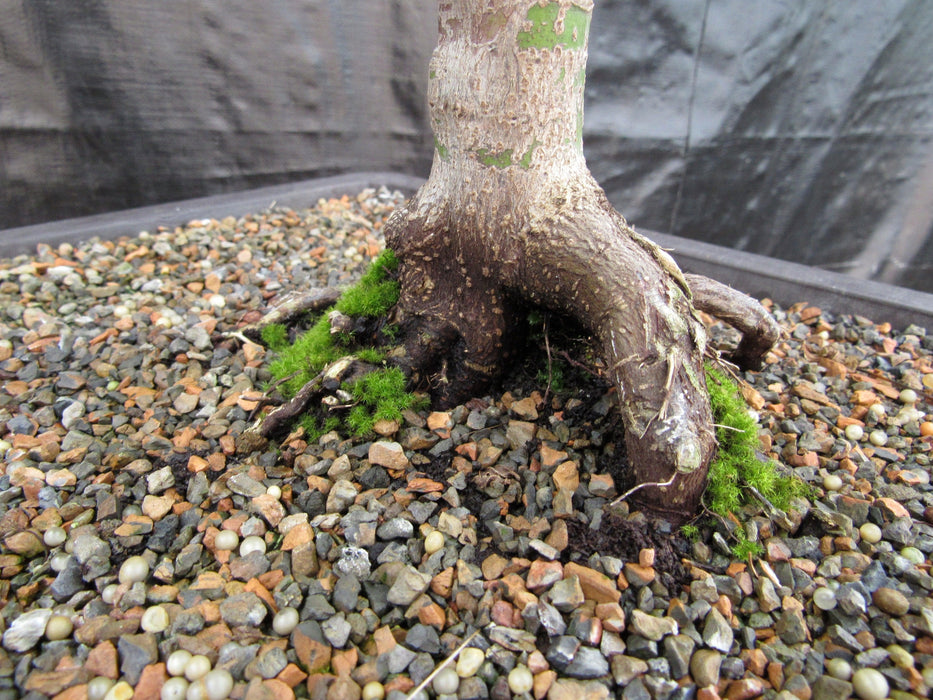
x=587 y=663
x=346 y=593
x=336 y=630
x=26 y=630
x=243 y=609
x=353 y=561
x=409 y=584
x=423 y=638
x=717 y=634
x=136 y=652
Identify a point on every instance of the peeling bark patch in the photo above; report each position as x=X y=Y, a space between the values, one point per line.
x=549 y=29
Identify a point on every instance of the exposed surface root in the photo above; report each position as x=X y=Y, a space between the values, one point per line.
x=329 y=380
x=291 y=306
x=759 y=330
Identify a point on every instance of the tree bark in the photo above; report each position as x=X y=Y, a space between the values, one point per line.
x=510 y=217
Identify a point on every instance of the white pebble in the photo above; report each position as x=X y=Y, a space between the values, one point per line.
x=876 y=411
x=119 y=691
x=109 y=594
x=217 y=684
x=908 y=396
x=59 y=561
x=469 y=661
x=854 y=432
x=374 y=690
x=434 y=542
x=285 y=621
x=253 y=543
x=177 y=661
x=878 y=438
x=870 y=684
x=521 y=680
x=446 y=682
x=275 y=491
x=913 y=555
x=870 y=532
x=55 y=536
x=98 y=686
x=824 y=598
x=174 y=689
x=832 y=482
x=839 y=668
x=133 y=570
x=58 y=627
x=155 y=620
x=218 y=301
x=226 y=540
x=197 y=667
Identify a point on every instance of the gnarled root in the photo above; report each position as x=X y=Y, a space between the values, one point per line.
x=346 y=369
x=759 y=330
x=290 y=306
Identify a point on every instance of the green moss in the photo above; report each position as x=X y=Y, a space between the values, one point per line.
x=746 y=548
x=314 y=429
x=553 y=376
x=379 y=395
x=736 y=465
x=376 y=292
x=275 y=336
x=371 y=356
x=300 y=362
x=690 y=531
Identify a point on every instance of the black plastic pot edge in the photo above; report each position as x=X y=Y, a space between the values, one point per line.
x=785 y=282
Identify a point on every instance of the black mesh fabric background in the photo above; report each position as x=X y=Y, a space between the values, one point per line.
x=799 y=129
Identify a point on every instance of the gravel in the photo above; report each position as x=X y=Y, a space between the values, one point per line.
x=126 y=396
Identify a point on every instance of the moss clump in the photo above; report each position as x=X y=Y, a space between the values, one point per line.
x=376 y=292
x=378 y=395
x=300 y=362
x=373 y=296
x=690 y=531
x=381 y=395
x=736 y=465
x=275 y=336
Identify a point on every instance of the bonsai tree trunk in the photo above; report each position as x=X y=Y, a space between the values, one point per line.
x=511 y=217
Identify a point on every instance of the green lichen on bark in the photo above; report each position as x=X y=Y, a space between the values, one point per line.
x=442 y=151
x=544 y=34
x=504 y=159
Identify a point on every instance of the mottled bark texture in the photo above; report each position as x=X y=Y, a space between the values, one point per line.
x=511 y=217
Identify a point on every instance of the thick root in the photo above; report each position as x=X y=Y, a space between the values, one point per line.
x=290 y=306
x=759 y=330
x=346 y=369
